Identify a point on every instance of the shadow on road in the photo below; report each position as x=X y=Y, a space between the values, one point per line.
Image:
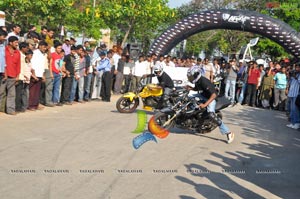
x=269 y=165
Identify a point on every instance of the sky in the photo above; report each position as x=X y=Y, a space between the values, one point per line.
x=177 y=3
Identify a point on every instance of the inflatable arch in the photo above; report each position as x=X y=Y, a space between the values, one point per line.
x=243 y=20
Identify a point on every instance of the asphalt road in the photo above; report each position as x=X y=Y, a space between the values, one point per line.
x=85 y=151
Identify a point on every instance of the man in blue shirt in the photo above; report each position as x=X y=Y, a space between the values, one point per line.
x=3 y=35
x=105 y=66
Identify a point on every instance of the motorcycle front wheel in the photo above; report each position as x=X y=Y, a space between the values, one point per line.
x=208 y=126
x=161 y=119
x=125 y=105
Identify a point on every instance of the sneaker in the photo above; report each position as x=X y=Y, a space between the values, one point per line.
x=12 y=113
x=231 y=105
x=230 y=137
x=296 y=126
x=290 y=125
x=49 y=105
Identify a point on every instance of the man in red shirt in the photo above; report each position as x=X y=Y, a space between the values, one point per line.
x=12 y=71
x=252 y=84
x=56 y=71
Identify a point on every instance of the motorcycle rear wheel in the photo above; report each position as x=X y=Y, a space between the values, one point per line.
x=124 y=105
x=161 y=118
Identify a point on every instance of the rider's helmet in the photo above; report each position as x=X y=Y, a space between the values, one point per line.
x=194 y=73
x=158 y=68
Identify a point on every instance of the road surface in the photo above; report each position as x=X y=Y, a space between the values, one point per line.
x=85 y=151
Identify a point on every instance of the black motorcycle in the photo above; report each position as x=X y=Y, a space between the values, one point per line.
x=185 y=114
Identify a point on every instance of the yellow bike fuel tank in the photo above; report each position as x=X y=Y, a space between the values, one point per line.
x=151 y=90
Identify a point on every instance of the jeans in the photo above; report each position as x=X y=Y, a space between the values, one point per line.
x=56 y=87
x=294 y=110
x=242 y=93
x=211 y=108
x=87 y=86
x=251 y=94
x=230 y=86
x=76 y=83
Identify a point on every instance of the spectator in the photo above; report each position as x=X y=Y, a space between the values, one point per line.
x=104 y=65
x=3 y=35
x=149 y=66
x=44 y=31
x=56 y=71
x=47 y=85
x=38 y=62
x=293 y=92
x=16 y=29
x=231 y=81
x=31 y=28
x=89 y=75
x=267 y=86
x=138 y=71
x=67 y=46
x=12 y=71
x=242 y=77
x=79 y=75
x=127 y=72
x=208 y=67
x=98 y=75
x=72 y=41
x=119 y=74
x=50 y=38
x=86 y=45
x=20 y=89
x=28 y=74
x=252 y=84
x=280 y=89
x=68 y=75
x=76 y=65
x=169 y=62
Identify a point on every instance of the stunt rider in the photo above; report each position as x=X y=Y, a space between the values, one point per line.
x=200 y=83
x=165 y=82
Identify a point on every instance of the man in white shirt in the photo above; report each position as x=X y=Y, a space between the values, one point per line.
x=16 y=29
x=38 y=62
x=149 y=65
x=138 y=71
x=169 y=62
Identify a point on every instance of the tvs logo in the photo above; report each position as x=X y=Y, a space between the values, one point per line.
x=154 y=130
x=235 y=19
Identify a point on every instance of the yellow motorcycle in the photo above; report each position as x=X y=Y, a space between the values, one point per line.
x=151 y=96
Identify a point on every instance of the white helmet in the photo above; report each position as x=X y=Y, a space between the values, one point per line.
x=158 y=68
x=194 y=74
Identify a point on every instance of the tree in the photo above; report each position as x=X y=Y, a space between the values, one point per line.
x=27 y=12
x=135 y=18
